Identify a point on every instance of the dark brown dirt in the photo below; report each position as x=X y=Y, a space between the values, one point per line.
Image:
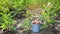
x=45 y=31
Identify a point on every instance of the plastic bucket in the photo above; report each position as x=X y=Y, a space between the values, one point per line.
x=35 y=27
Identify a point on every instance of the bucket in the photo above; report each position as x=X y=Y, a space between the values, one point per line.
x=35 y=27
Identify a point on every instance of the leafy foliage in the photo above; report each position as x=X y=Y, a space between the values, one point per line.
x=28 y=14
x=7 y=21
x=26 y=25
x=49 y=13
x=9 y=7
x=5 y=15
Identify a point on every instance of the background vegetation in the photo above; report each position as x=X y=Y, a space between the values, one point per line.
x=11 y=8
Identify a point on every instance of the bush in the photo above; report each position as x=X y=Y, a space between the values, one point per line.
x=49 y=13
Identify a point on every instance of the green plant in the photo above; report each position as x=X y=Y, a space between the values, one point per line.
x=26 y=25
x=6 y=18
x=8 y=22
x=7 y=8
x=48 y=15
x=13 y=6
x=28 y=14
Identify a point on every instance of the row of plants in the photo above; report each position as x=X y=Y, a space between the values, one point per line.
x=49 y=12
x=11 y=8
x=8 y=10
x=18 y=5
x=7 y=23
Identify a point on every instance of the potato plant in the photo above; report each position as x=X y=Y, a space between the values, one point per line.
x=49 y=13
x=9 y=7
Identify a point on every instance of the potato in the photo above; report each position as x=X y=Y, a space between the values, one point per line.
x=37 y=22
x=33 y=22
